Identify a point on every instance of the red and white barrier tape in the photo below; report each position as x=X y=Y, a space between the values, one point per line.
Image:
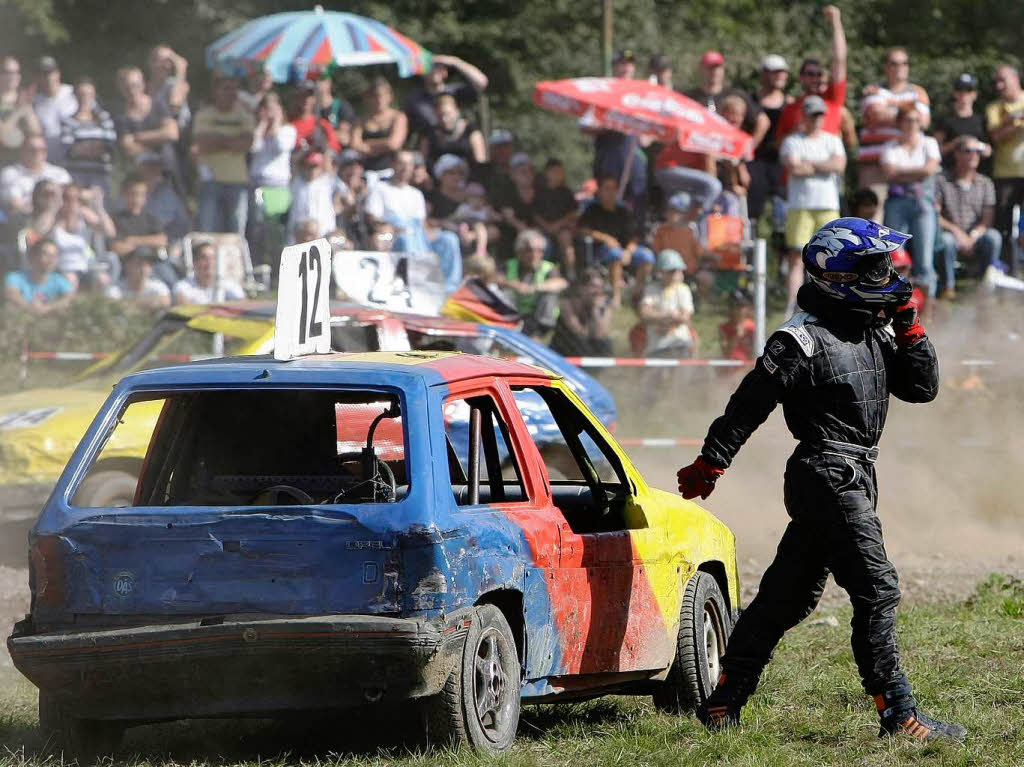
x=92 y=356
x=655 y=442
x=653 y=362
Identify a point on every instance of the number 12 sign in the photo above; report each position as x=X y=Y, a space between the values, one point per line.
x=303 y=324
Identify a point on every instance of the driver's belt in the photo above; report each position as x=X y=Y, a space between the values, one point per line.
x=842 y=449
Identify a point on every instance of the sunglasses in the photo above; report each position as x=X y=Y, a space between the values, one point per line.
x=898 y=63
x=813 y=73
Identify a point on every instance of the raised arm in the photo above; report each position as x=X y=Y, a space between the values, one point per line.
x=834 y=18
x=473 y=75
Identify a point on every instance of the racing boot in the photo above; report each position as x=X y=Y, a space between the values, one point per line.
x=723 y=706
x=900 y=716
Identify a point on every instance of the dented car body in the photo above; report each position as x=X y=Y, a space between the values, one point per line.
x=307 y=535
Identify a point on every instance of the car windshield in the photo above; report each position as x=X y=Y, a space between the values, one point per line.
x=282 y=447
x=468 y=344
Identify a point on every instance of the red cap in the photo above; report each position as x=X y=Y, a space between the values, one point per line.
x=712 y=59
x=312 y=158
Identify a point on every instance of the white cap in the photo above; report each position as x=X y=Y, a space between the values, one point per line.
x=773 y=62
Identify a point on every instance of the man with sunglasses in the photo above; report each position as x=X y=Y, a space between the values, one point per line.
x=966 y=201
x=832 y=366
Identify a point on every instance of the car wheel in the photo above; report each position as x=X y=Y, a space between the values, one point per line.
x=704 y=628
x=107 y=489
x=479 y=705
x=86 y=740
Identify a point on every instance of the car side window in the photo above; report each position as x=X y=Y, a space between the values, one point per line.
x=588 y=482
x=482 y=465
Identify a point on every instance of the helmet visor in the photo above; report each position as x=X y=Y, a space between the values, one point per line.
x=876 y=269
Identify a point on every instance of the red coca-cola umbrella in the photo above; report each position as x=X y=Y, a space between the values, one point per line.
x=640 y=108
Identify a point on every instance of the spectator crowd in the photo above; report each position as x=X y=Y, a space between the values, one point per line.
x=136 y=201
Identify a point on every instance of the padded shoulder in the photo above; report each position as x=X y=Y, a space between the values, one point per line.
x=795 y=326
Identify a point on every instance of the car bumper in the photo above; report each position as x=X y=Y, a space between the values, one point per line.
x=240 y=667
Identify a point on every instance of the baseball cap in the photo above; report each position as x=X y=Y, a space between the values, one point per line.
x=349 y=157
x=669 y=260
x=623 y=54
x=47 y=64
x=680 y=201
x=312 y=158
x=659 y=63
x=501 y=136
x=519 y=158
x=446 y=163
x=814 y=105
x=712 y=59
x=965 y=82
x=773 y=62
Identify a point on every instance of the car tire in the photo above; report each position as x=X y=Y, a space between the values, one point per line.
x=479 y=704
x=86 y=740
x=107 y=489
x=704 y=627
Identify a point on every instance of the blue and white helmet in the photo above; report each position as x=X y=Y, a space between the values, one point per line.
x=850 y=259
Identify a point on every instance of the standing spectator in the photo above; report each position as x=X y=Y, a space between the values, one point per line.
x=966 y=201
x=733 y=173
x=815 y=81
x=203 y=287
x=383 y=130
x=137 y=228
x=18 y=181
x=666 y=309
x=17 y=118
x=316 y=195
x=584 y=326
x=909 y=166
x=270 y=175
x=881 y=118
x=312 y=131
x=168 y=87
x=162 y=198
x=815 y=161
x=532 y=284
x=39 y=289
x=712 y=89
x=89 y=139
x=335 y=109
x=138 y=287
x=1004 y=119
x=258 y=83
x=556 y=212
x=765 y=169
x=223 y=136
x=54 y=101
x=397 y=202
x=81 y=228
x=964 y=121
x=659 y=71
x=453 y=134
x=145 y=126
x=609 y=224
x=421 y=104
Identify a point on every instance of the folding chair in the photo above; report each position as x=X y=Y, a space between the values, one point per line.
x=233 y=260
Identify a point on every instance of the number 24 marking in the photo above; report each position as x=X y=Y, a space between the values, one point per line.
x=315 y=328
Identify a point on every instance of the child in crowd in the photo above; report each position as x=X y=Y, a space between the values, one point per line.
x=316 y=195
x=666 y=309
x=736 y=335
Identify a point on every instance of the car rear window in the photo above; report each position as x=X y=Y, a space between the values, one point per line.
x=258 y=448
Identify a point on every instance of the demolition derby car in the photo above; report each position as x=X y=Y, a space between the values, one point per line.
x=305 y=534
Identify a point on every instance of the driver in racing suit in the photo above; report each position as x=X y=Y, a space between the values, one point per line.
x=832 y=366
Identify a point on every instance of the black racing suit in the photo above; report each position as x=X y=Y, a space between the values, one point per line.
x=833 y=371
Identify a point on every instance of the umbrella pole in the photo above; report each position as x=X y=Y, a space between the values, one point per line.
x=606 y=37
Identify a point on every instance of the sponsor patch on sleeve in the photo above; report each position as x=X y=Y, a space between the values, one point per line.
x=770 y=365
x=776 y=347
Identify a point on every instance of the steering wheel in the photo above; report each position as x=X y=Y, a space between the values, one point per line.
x=382 y=470
x=271 y=496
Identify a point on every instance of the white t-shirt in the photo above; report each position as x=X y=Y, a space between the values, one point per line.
x=188 y=291
x=820 y=191
x=389 y=202
x=674 y=298
x=315 y=199
x=50 y=111
x=152 y=288
x=271 y=160
x=74 y=251
x=17 y=181
x=911 y=158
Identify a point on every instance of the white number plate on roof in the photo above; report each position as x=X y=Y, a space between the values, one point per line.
x=303 y=324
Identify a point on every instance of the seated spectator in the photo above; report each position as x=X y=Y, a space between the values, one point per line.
x=495 y=174
x=450 y=172
x=47 y=198
x=311 y=130
x=222 y=135
x=736 y=334
x=38 y=289
x=162 y=198
x=89 y=139
x=335 y=109
x=383 y=130
x=138 y=286
x=532 y=284
x=666 y=308
x=307 y=230
x=966 y=201
x=611 y=226
x=315 y=195
x=54 y=101
x=519 y=207
x=584 y=326
x=81 y=227
x=475 y=208
x=18 y=181
x=145 y=126
x=679 y=231
x=453 y=134
x=963 y=121
x=138 y=228
x=353 y=196
x=397 y=202
x=556 y=212
x=17 y=118
x=203 y=287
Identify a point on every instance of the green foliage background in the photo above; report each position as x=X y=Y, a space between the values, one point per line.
x=519 y=43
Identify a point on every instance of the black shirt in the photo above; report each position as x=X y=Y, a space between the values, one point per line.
x=553 y=204
x=618 y=223
x=441 y=205
x=420 y=105
x=136 y=226
x=952 y=126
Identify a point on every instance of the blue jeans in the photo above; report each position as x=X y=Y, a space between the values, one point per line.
x=919 y=219
x=223 y=207
x=985 y=253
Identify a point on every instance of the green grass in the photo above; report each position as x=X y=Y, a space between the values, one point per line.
x=966 y=661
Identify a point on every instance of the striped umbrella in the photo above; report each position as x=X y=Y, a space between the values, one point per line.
x=294 y=45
